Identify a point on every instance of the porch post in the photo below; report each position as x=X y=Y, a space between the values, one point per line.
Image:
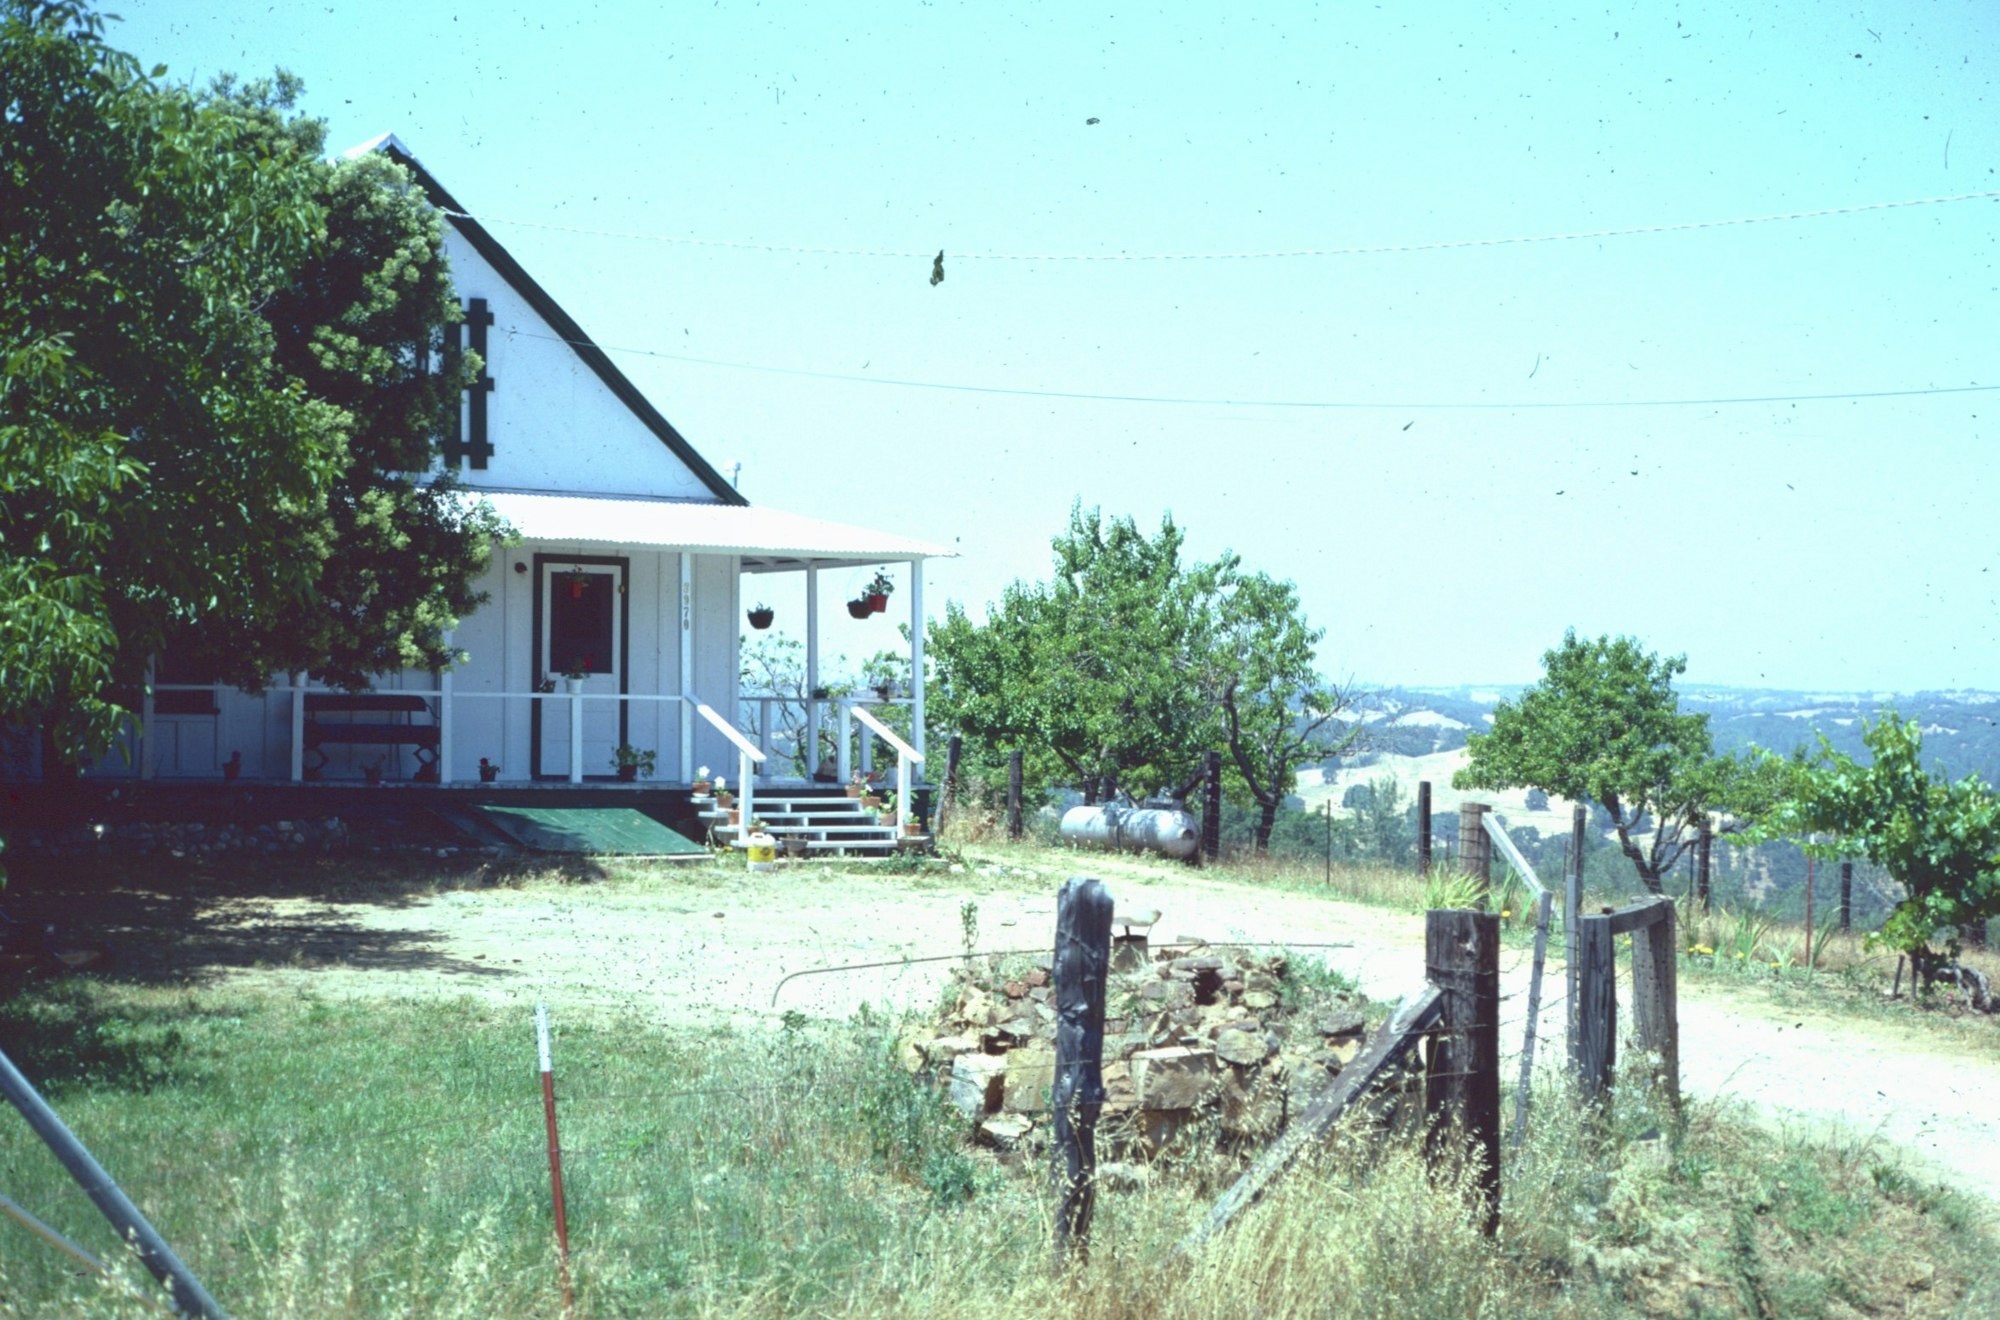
x=917 y=655
x=812 y=671
x=576 y=734
x=841 y=762
x=687 y=667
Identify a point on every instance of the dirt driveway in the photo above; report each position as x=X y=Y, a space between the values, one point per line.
x=702 y=949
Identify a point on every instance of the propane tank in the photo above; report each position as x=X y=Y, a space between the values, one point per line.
x=1165 y=831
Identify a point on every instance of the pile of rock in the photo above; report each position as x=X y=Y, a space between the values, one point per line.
x=1193 y=1035
x=193 y=838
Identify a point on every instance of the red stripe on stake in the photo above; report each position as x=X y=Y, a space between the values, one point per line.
x=555 y=1149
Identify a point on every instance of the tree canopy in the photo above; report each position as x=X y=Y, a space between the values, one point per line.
x=1604 y=725
x=1938 y=838
x=1130 y=662
x=210 y=344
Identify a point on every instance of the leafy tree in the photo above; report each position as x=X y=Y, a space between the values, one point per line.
x=1939 y=839
x=212 y=357
x=1604 y=725
x=1276 y=714
x=1095 y=673
x=155 y=463
x=361 y=325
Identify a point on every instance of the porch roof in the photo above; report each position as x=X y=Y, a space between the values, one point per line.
x=768 y=540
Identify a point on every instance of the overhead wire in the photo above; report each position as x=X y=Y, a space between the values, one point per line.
x=1357 y=250
x=1341 y=405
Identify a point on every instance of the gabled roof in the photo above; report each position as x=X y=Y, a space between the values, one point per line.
x=546 y=307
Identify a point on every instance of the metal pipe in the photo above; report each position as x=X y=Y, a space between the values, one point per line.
x=189 y=1296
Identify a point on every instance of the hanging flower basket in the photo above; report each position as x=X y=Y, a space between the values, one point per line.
x=761 y=617
x=860 y=608
x=878 y=602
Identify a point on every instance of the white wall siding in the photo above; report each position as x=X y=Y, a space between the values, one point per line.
x=553 y=422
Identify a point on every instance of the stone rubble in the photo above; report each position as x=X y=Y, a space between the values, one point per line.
x=1192 y=1038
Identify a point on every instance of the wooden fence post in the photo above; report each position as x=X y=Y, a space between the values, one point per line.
x=1579 y=824
x=1475 y=852
x=1423 y=827
x=1211 y=807
x=1595 y=1048
x=948 y=797
x=1655 y=1010
x=1847 y=896
x=1462 y=1093
x=1703 y=845
x=1014 y=795
x=1082 y=962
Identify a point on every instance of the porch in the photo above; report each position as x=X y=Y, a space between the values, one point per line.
x=611 y=638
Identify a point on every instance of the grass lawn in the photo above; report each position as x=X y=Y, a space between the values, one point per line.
x=313 y=1157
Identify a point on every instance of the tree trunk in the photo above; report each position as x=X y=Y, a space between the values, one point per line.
x=1267 y=815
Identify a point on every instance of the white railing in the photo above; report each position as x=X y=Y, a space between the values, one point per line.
x=906 y=755
x=748 y=753
x=760 y=713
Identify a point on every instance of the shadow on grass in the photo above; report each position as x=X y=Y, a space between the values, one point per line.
x=63 y=1034
x=176 y=921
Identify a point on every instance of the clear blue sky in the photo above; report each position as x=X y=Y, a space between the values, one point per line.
x=1841 y=543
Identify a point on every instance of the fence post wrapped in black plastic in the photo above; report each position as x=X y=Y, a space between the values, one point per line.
x=1082 y=962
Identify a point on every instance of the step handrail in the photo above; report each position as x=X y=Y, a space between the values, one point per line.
x=747 y=756
x=906 y=756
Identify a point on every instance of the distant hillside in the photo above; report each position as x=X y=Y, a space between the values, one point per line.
x=1419 y=734
x=1961 y=728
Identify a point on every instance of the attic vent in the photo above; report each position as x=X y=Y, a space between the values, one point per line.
x=465 y=438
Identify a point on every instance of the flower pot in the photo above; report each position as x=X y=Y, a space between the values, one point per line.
x=628 y=774
x=699 y=788
x=870 y=802
x=854 y=790
x=725 y=800
x=761 y=619
x=794 y=846
x=575 y=685
x=878 y=602
x=576 y=586
x=488 y=773
x=882 y=693
x=912 y=828
x=859 y=609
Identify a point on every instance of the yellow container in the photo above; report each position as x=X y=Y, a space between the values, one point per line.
x=763 y=852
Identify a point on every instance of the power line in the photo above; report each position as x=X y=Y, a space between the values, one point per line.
x=1349 y=405
x=1377 y=249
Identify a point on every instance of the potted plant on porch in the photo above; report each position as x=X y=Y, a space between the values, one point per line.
x=724 y=799
x=760 y=616
x=631 y=762
x=877 y=594
x=859 y=608
x=700 y=786
x=579 y=669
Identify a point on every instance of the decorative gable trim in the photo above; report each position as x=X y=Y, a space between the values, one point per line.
x=546 y=307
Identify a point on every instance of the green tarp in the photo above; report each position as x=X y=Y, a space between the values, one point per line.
x=611 y=831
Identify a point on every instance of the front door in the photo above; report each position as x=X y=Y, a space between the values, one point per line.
x=580 y=631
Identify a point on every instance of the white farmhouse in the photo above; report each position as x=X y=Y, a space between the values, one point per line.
x=613 y=622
